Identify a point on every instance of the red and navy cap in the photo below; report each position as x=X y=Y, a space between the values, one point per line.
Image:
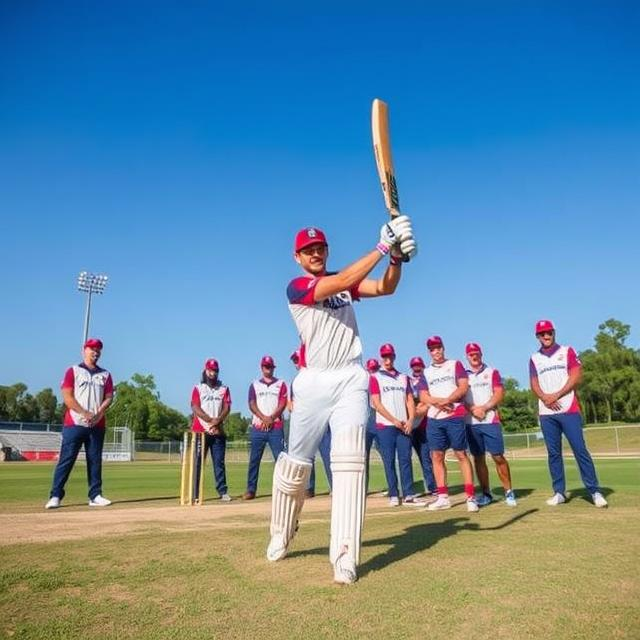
x=544 y=325
x=93 y=343
x=309 y=236
x=267 y=361
x=387 y=350
x=212 y=365
x=372 y=365
x=416 y=361
x=434 y=341
x=472 y=347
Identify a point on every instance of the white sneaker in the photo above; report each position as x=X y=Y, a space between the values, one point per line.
x=510 y=498
x=277 y=549
x=384 y=493
x=99 y=501
x=225 y=497
x=598 y=500
x=413 y=501
x=472 y=505
x=52 y=503
x=441 y=503
x=556 y=499
x=344 y=570
x=394 y=502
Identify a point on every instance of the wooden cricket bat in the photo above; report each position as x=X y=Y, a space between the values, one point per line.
x=382 y=151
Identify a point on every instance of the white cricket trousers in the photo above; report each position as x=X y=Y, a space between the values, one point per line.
x=327 y=397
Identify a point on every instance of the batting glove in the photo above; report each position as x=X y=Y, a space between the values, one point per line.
x=394 y=232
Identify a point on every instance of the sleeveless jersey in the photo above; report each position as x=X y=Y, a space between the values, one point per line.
x=90 y=386
x=551 y=367
x=442 y=381
x=267 y=396
x=482 y=385
x=418 y=383
x=211 y=400
x=393 y=389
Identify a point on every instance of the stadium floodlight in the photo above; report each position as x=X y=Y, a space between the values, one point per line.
x=90 y=283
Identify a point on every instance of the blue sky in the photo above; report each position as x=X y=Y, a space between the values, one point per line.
x=178 y=146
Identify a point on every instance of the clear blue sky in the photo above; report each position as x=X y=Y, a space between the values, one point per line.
x=178 y=146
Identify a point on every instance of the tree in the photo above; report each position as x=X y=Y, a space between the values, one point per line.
x=47 y=406
x=236 y=427
x=518 y=409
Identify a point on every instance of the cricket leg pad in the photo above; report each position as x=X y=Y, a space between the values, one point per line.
x=347 y=501
x=290 y=478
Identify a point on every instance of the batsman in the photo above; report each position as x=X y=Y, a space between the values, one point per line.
x=331 y=388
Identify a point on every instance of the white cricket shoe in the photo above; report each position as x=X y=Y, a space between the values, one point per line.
x=599 y=500
x=441 y=503
x=225 y=497
x=472 y=505
x=277 y=550
x=344 y=570
x=413 y=501
x=556 y=499
x=394 y=501
x=52 y=503
x=510 y=498
x=99 y=501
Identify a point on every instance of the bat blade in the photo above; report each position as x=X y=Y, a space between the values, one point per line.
x=384 y=159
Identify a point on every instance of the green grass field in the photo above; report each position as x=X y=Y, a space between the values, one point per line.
x=146 y=568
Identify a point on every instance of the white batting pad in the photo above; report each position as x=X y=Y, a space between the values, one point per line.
x=290 y=478
x=348 y=493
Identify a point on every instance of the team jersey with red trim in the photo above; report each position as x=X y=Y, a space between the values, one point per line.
x=328 y=329
x=267 y=395
x=393 y=388
x=90 y=387
x=442 y=381
x=482 y=385
x=211 y=400
x=551 y=367
x=417 y=383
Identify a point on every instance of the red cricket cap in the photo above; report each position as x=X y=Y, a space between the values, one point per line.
x=372 y=365
x=267 y=361
x=416 y=361
x=387 y=350
x=544 y=325
x=212 y=365
x=472 y=347
x=309 y=236
x=93 y=343
x=434 y=341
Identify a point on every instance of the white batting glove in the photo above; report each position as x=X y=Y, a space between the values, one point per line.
x=394 y=232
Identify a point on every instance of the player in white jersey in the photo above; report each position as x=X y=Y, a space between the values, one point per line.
x=484 y=431
x=555 y=371
x=211 y=404
x=331 y=388
x=87 y=391
x=392 y=399
x=267 y=402
x=446 y=383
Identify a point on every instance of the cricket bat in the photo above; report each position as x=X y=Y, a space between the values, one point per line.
x=384 y=160
x=382 y=152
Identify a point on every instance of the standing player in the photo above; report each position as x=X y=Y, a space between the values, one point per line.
x=87 y=391
x=392 y=399
x=419 y=433
x=371 y=434
x=555 y=372
x=446 y=384
x=484 y=431
x=267 y=401
x=211 y=404
x=331 y=388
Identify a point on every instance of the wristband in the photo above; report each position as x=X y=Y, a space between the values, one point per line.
x=382 y=248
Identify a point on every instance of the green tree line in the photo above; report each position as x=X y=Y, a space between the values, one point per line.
x=610 y=392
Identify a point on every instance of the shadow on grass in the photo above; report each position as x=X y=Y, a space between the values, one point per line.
x=583 y=494
x=424 y=536
x=497 y=492
x=153 y=499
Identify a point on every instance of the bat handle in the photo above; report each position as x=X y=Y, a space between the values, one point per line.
x=394 y=213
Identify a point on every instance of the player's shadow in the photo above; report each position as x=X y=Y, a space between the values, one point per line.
x=584 y=495
x=497 y=491
x=424 y=536
x=154 y=499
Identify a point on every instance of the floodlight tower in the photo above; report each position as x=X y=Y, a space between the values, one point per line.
x=90 y=283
